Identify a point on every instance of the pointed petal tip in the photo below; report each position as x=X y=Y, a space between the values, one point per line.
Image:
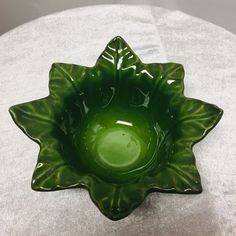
x=220 y=113
x=117 y=48
x=117 y=39
x=39 y=187
x=12 y=111
x=117 y=42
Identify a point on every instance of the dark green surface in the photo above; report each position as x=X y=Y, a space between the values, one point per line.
x=121 y=129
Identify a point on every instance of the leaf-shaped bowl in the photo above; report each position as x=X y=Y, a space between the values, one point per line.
x=121 y=129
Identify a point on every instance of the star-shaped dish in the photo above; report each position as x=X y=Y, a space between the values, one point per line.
x=120 y=129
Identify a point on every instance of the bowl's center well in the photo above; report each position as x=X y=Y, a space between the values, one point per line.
x=116 y=139
x=119 y=147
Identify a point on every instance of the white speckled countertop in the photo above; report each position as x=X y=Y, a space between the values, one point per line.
x=78 y=36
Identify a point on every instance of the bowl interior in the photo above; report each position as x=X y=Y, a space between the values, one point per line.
x=120 y=137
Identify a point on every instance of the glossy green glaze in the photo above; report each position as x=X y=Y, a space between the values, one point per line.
x=121 y=129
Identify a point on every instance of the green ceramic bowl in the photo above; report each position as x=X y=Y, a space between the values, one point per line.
x=121 y=129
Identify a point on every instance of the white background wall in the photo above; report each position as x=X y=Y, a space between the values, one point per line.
x=16 y=12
